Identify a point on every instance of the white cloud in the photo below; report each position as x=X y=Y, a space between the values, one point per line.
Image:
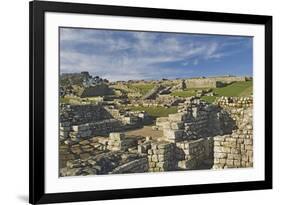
x=133 y=55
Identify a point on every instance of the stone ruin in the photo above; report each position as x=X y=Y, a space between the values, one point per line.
x=83 y=121
x=213 y=82
x=235 y=149
x=161 y=101
x=199 y=136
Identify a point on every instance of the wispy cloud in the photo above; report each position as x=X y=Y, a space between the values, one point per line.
x=123 y=55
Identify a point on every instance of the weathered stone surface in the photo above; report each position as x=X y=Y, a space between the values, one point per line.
x=235 y=149
x=200 y=135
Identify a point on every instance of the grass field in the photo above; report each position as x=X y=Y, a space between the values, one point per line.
x=64 y=100
x=232 y=90
x=156 y=111
x=237 y=89
x=209 y=99
x=185 y=93
x=142 y=88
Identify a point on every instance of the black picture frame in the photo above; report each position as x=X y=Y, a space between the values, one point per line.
x=37 y=11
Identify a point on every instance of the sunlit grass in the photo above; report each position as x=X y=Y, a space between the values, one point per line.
x=156 y=111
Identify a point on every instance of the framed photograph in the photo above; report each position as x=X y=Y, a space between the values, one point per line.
x=130 y=102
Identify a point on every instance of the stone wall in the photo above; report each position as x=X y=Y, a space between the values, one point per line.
x=184 y=155
x=135 y=166
x=236 y=149
x=118 y=141
x=81 y=114
x=199 y=136
x=96 y=90
x=195 y=125
x=213 y=82
x=84 y=121
x=229 y=79
x=96 y=128
x=195 y=119
x=196 y=153
x=201 y=83
x=162 y=157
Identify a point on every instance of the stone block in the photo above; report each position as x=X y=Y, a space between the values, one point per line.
x=217 y=143
x=237 y=163
x=229 y=162
x=220 y=155
x=248 y=147
x=116 y=136
x=154 y=158
x=173 y=134
x=177 y=125
x=248 y=141
x=219 y=138
x=177 y=117
x=78 y=128
x=222 y=161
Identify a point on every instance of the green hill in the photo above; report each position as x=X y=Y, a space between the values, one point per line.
x=237 y=89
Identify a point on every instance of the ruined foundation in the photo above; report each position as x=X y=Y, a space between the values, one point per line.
x=199 y=136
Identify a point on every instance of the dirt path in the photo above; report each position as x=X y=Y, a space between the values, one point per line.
x=146 y=131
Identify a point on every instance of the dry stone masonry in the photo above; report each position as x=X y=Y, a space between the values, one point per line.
x=235 y=149
x=84 y=121
x=118 y=141
x=198 y=136
x=161 y=157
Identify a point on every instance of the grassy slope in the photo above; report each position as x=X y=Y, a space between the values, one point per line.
x=156 y=111
x=209 y=99
x=142 y=88
x=247 y=91
x=236 y=89
x=185 y=93
x=232 y=90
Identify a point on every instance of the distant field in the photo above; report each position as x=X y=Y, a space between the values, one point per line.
x=185 y=93
x=232 y=90
x=209 y=99
x=236 y=89
x=142 y=88
x=156 y=111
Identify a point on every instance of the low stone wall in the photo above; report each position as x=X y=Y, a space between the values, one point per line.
x=83 y=121
x=81 y=114
x=136 y=166
x=184 y=155
x=229 y=79
x=118 y=141
x=201 y=83
x=195 y=153
x=212 y=82
x=76 y=115
x=103 y=127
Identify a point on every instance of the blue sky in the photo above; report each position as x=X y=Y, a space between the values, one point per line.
x=127 y=55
